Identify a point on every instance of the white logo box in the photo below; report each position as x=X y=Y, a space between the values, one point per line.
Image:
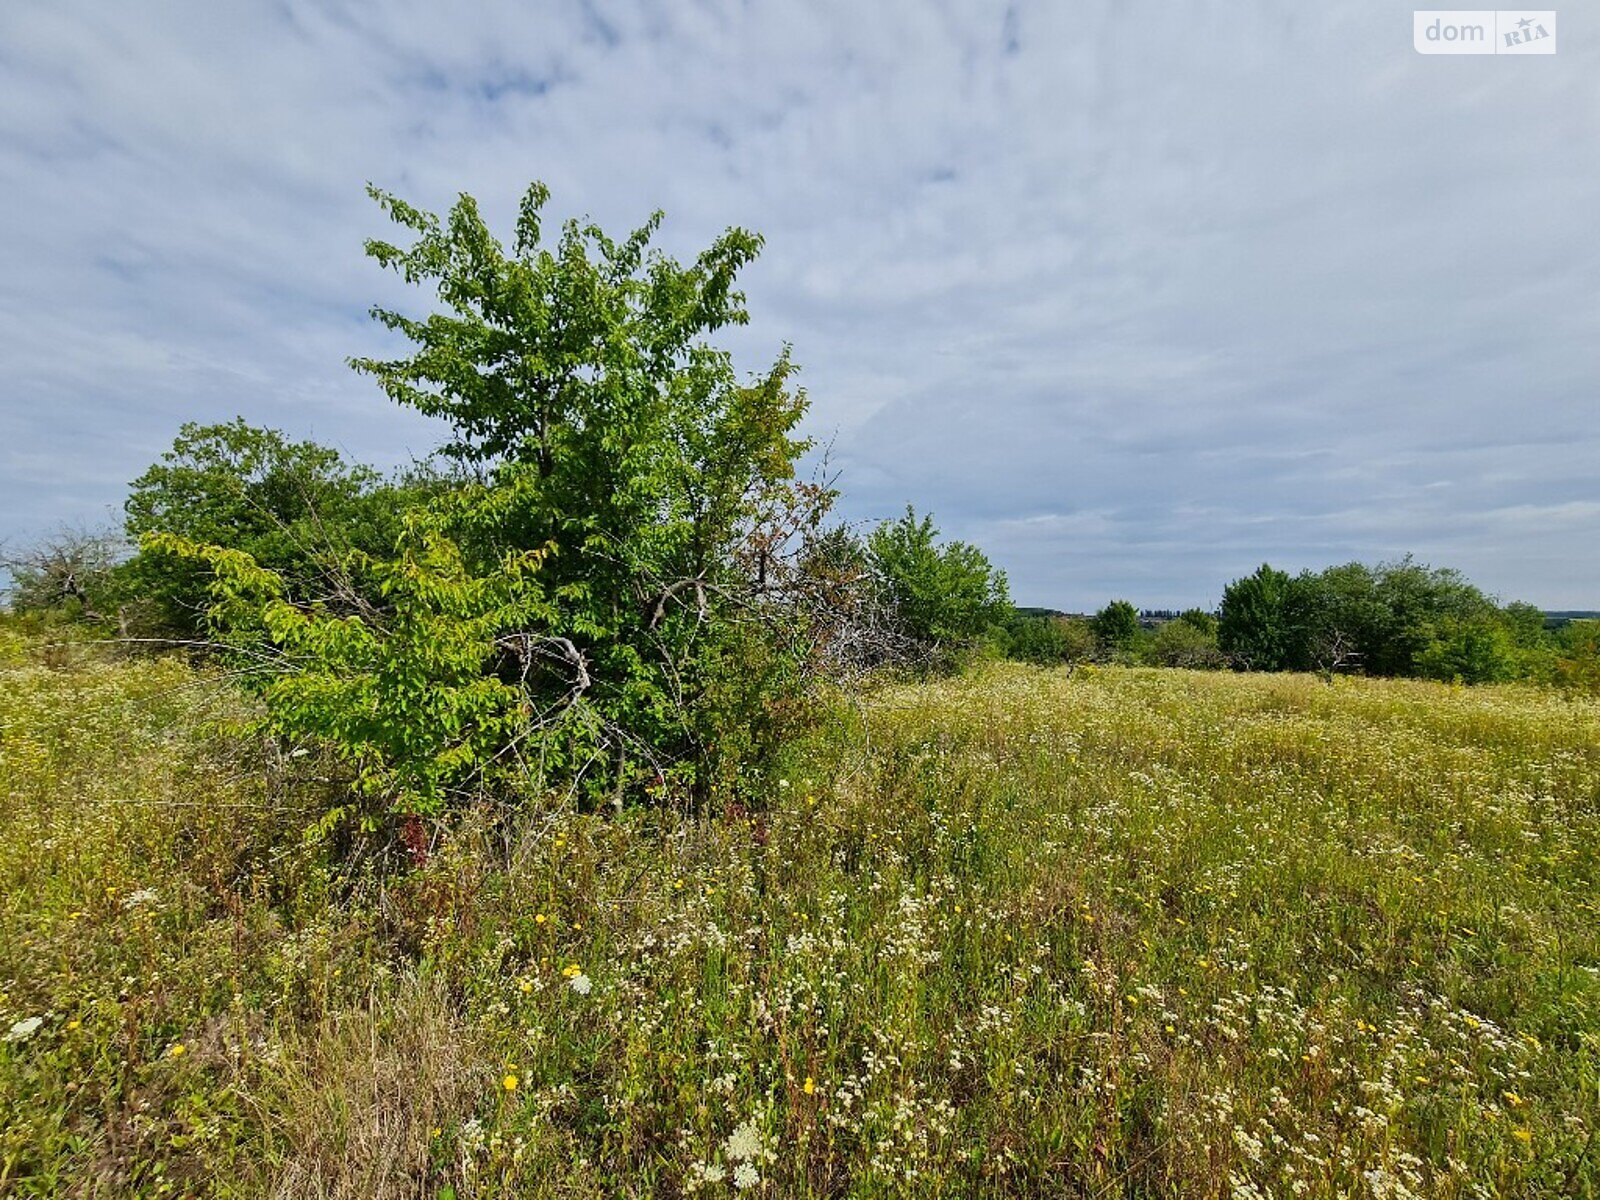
x=1484 y=31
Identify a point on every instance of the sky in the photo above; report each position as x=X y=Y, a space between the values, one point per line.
x=1134 y=296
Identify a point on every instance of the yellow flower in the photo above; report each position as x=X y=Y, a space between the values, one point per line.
x=540 y=919
x=436 y=1131
x=509 y=1083
x=810 y=1086
x=74 y=1024
x=572 y=970
x=1512 y=1099
x=1522 y=1135
x=175 y=1050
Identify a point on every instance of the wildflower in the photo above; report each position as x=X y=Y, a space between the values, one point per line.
x=176 y=1050
x=572 y=970
x=744 y=1142
x=74 y=1024
x=142 y=896
x=1522 y=1135
x=809 y=1087
x=510 y=1082
x=540 y=919
x=745 y=1176
x=24 y=1029
x=580 y=984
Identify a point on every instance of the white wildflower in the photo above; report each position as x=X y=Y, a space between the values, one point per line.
x=142 y=896
x=580 y=984
x=745 y=1176
x=744 y=1142
x=23 y=1029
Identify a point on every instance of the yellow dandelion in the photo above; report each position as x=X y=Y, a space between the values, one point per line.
x=509 y=1082
x=1522 y=1135
x=809 y=1087
x=176 y=1050
x=572 y=970
x=540 y=919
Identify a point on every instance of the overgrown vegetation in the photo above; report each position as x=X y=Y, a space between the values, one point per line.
x=1109 y=932
x=596 y=815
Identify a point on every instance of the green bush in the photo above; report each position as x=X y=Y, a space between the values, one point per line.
x=1182 y=643
x=1116 y=626
x=943 y=596
x=668 y=630
x=296 y=508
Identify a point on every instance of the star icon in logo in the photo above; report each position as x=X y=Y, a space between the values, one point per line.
x=1524 y=23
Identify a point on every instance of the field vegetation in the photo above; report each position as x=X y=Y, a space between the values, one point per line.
x=1025 y=932
x=589 y=811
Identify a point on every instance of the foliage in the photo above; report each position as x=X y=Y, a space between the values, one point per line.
x=1116 y=626
x=399 y=694
x=71 y=574
x=1184 y=643
x=1401 y=618
x=615 y=442
x=1256 y=624
x=1047 y=639
x=942 y=595
x=296 y=508
x=1577 y=664
x=1471 y=650
x=1123 y=932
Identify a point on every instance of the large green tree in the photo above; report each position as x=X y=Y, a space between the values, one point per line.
x=1257 y=624
x=943 y=595
x=577 y=374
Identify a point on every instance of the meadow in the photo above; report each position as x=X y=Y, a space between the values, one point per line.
x=1024 y=932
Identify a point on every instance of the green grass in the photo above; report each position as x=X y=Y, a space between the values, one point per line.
x=1023 y=933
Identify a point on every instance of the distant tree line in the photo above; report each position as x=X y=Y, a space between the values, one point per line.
x=1398 y=619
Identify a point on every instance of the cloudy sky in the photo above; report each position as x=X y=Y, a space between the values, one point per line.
x=1133 y=295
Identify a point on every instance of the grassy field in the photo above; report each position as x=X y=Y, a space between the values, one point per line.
x=1022 y=933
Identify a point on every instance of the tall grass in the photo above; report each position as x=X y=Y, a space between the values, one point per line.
x=1024 y=933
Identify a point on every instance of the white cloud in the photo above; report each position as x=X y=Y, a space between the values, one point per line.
x=1205 y=285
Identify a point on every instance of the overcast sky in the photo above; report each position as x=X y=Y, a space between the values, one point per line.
x=1134 y=295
